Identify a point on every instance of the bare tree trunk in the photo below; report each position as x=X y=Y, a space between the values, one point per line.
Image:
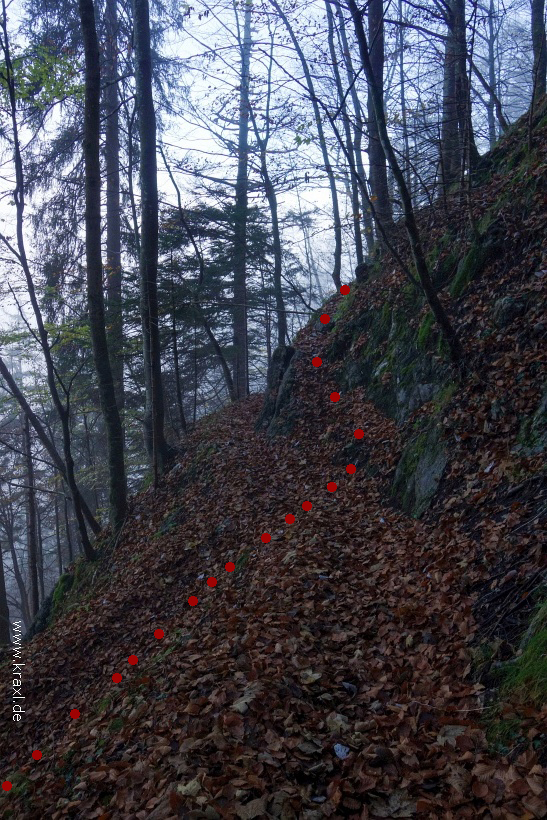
x=350 y=150
x=113 y=213
x=32 y=541
x=413 y=233
x=240 y=375
x=95 y=295
x=40 y=551
x=337 y=268
x=178 y=383
x=156 y=445
x=23 y=594
x=58 y=536
x=271 y=196
x=539 y=46
x=402 y=84
x=68 y=534
x=4 y=609
x=358 y=131
x=377 y=160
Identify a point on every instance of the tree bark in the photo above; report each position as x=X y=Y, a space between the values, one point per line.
x=457 y=138
x=154 y=436
x=358 y=131
x=322 y=144
x=95 y=294
x=240 y=374
x=113 y=212
x=539 y=46
x=350 y=149
x=377 y=160
x=32 y=540
x=4 y=609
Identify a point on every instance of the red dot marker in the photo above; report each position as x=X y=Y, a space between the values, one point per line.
x=192 y=600
x=331 y=487
x=133 y=660
x=359 y=433
x=159 y=633
x=74 y=713
x=290 y=519
x=316 y=361
x=230 y=566
x=116 y=677
x=344 y=290
x=351 y=468
x=266 y=537
x=325 y=319
x=307 y=506
x=36 y=754
x=335 y=396
x=6 y=785
x=211 y=582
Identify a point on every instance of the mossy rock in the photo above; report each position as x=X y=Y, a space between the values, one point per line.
x=420 y=471
x=532 y=437
x=477 y=257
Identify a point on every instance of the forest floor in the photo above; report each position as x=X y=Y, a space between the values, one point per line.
x=331 y=670
x=327 y=675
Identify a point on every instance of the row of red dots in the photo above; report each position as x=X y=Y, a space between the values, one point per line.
x=230 y=566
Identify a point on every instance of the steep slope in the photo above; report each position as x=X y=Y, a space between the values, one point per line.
x=331 y=670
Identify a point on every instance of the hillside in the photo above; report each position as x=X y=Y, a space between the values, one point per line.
x=343 y=665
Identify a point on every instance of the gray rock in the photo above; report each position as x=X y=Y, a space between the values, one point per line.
x=507 y=309
x=420 y=471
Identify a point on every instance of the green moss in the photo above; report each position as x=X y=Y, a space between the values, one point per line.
x=62 y=588
x=424 y=330
x=526 y=677
x=444 y=397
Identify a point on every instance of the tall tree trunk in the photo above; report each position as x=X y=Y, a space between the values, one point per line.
x=457 y=139
x=377 y=160
x=240 y=376
x=358 y=130
x=413 y=233
x=4 y=609
x=19 y=200
x=68 y=533
x=539 y=46
x=95 y=295
x=113 y=212
x=23 y=594
x=271 y=196
x=39 y=551
x=154 y=436
x=32 y=540
x=492 y=136
x=337 y=267
x=58 y=536
x=402 y=84
x=178 y=382
x=350 y=150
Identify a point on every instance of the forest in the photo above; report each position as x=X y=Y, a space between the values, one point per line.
x=273 y=409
